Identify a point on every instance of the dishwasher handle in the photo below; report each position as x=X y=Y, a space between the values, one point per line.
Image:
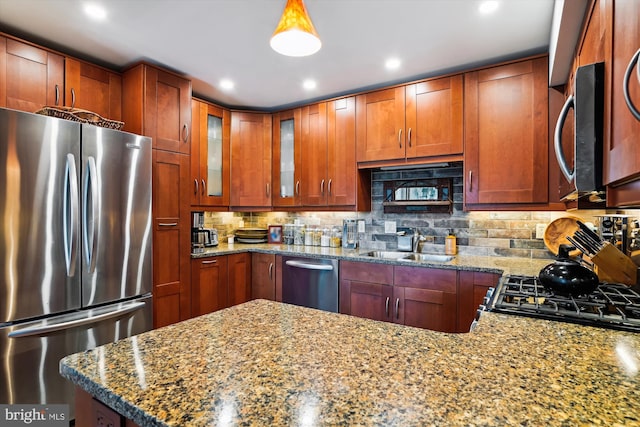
x=309 y=266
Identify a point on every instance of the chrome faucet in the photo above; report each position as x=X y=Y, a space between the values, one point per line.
x=417 y=238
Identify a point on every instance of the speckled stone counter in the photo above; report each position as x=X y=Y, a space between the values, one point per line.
x=268 y=363
x=506 y=265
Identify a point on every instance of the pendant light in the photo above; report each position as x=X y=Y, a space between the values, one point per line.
x=295 y=34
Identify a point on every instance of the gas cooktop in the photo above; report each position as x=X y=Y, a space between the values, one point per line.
x=611 y=305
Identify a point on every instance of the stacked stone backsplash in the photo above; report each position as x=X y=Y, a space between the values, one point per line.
x=495 y=233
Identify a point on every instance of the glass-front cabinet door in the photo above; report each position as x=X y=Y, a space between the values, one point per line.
x=210 y=167
x=286 y=158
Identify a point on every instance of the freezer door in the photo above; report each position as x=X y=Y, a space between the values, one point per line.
x=30 y=353
x=39 y=246
x=115 y=215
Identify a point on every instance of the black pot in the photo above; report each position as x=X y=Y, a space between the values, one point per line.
x=568 y=277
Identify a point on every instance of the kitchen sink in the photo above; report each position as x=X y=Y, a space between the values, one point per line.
x=429 y=257
x=408 y=256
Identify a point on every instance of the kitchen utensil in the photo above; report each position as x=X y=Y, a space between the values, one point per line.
x=616 y=266
x=567 y=277
x=555 y=234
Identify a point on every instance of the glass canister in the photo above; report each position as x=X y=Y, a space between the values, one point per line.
x=298 y=234
x=308 y=236
x=287 y=235
x=325 y=239
x=317 y=236
x=336 y=237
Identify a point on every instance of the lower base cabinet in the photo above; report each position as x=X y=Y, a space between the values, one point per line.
x=442 y=300
x=219 y=282
x=263 y=276
x=92 y=412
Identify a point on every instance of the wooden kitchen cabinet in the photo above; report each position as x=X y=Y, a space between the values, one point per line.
x=472 y=288
x=93 y=88
x=506 y=159
x=30 y=77
x=413 y=122
x=171 y=238
x=287 y=160
x=366 y=290
x=239 y=278
x=263 y=276
x=621 y=153
x=210 y=156
x=209 y=285
x=425 y=298
x=157 y=103
x=314 y=181
x=250 y=161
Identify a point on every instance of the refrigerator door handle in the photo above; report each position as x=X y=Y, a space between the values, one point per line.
x=70 y=215
x=48 y=329
x=90 y=238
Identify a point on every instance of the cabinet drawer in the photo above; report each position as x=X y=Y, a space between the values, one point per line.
x=366 y=272
x=426 y=278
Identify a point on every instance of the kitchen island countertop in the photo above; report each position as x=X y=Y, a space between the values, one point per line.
x=268 y=363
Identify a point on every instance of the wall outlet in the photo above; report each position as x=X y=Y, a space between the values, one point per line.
x=361 y=226
x=390 y=227
x=540 y=230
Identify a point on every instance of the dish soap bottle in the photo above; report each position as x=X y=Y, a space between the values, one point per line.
x=450 y=247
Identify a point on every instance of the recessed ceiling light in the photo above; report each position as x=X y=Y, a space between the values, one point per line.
x=392 y=64
x=95 y=11
x=309 y=84
x=226 y=84
x=488 y=6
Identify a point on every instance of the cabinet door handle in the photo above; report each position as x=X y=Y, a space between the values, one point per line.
x=213 y=261
x=322 y=187
x=409 y=137
x=625 y=85
x=268 y=190
x=204 y=185
x=73 y=97
x=397 y=308
x=57 y=95
x=329 y=186
x=195 y=186
x=271 y=272
x=297 y=188
x=168 y=224
x=400 y=138
x=470 y=180
x=386 y=307
x=185 y=132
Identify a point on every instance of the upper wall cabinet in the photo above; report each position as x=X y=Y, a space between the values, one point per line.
x=30 y=77
x=93 y=88
x=315 y=182
x=250 y=161
x=410 y=124
x=622 y=155
x=506 y=135
x=287 y=166
x=157 y=103
x=210 y=155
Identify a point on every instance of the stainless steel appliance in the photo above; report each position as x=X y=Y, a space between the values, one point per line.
x=75 y=248
x=611 y=305
x=350 y=233
x=310 y=282
x=619 y=230
x=581 y=165
x=201 y=237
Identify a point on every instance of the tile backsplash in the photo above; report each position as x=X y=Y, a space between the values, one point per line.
x=495 y=233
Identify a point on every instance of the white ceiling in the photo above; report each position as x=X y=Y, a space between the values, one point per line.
x=209 y=40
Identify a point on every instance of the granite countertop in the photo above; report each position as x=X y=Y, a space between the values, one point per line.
x=490 y=264
x=269 y=363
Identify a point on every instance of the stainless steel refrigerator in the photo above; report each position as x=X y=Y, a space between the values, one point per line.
x=75 y=247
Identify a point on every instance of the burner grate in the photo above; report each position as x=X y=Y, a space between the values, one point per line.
x=610 y=305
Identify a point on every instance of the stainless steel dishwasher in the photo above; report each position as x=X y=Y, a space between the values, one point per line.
x=310 y=282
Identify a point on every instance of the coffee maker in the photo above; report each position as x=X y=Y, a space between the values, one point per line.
x=201 y=237
x=620 y=230
x=350 y=233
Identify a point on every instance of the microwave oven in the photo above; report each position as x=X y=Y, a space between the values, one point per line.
x=581 y=165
